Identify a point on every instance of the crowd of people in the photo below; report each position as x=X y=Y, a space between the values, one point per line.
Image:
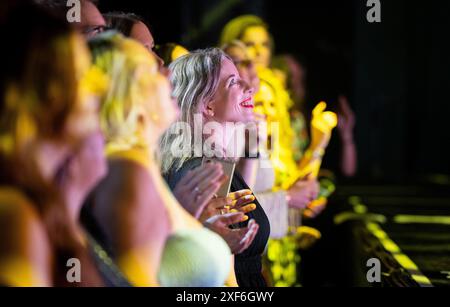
x=103 y=169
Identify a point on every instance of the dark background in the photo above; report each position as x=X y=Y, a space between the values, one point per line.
x=394 y=72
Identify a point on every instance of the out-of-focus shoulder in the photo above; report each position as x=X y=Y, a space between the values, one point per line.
x=14 y=203
x=25 y=253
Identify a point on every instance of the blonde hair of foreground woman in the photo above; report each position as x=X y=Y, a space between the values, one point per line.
x=136 y=110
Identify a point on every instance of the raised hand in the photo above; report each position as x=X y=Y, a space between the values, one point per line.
x=302 y=193
x=237 y=239
x=315 y=208
x=196 y=189
x=239 y=201
x=346 y=119
x=322 y=123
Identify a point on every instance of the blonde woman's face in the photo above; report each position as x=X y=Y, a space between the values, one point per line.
x=265 y=102
x=257 y=41
x=84 y=120
x=160 y=110
x=233 y=101
x=167 y=110
x=244 y=65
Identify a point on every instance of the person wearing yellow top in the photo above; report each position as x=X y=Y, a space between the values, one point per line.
x=136 y=216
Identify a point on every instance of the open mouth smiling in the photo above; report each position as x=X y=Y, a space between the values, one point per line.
x=247 y=103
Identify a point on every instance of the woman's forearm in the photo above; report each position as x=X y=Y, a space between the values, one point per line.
x=248 y=169
x=277 y=210
x=348 y=158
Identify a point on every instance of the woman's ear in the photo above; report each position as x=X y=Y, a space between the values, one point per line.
x=141 y=121
x=208 y=110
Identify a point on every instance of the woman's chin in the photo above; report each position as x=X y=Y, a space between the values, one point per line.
x=248 y=117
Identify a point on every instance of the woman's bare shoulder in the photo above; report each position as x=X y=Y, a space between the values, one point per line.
x=16 y=207
x=24 y=243
x=126 y=177
x=129 y=186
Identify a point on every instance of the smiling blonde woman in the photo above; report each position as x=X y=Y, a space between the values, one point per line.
x=207 y=84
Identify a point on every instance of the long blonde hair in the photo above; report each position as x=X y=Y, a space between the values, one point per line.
x=195 y=79
x=122 y=60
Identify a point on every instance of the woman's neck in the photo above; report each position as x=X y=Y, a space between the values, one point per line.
x=47 y=167
x=73 y=201
x=226 y=144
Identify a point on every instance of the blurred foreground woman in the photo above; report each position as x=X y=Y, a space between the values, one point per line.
x=51 y=153
x=132 y=212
